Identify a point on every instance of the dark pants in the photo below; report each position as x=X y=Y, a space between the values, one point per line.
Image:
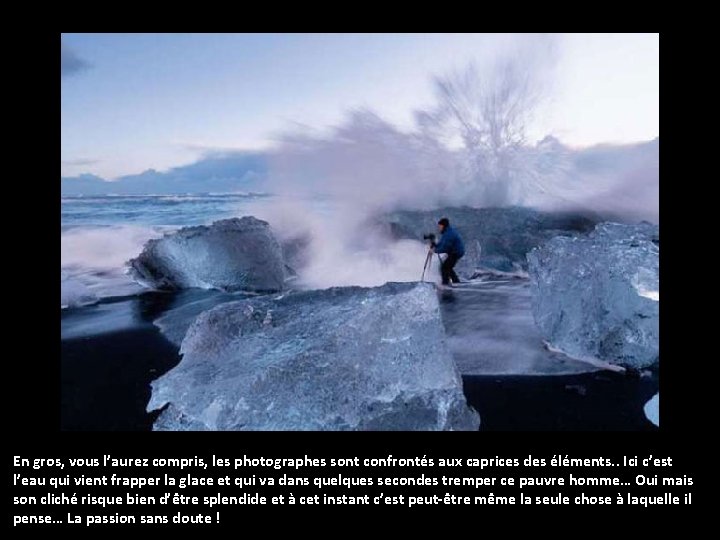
x=447 y=269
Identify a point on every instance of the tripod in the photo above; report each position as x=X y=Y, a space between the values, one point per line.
x=428 y=262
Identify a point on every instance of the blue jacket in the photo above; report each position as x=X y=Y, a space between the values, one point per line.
x=451 y=243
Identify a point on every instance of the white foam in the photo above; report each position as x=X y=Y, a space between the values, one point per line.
x=92 y=261
x=103 y=247
x=343 y=250
x=73 y=293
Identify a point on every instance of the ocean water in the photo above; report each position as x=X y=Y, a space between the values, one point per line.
x=100 y=234
x=153 y=210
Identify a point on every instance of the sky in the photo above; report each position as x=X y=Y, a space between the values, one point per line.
x=131 y=102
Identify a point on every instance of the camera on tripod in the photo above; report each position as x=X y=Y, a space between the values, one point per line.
x=430 y=239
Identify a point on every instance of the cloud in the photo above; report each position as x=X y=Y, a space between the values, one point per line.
x=204 y=151
x=219 y=173
x=70 y=62
x=207 y=150
x=81 y=162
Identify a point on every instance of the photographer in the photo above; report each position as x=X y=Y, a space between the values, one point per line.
x=451 y=244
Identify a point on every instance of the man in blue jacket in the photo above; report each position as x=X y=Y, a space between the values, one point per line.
x=450 y=243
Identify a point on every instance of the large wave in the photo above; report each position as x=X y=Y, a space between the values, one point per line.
x=341 y=246
x=469 y=148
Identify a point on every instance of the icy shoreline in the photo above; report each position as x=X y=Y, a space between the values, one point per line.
x=488 y=328
x=113 y=394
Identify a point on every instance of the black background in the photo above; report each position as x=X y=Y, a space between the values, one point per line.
x=32 y=363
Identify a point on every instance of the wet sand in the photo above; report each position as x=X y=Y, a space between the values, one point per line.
x=600 y=401
x=112 y=351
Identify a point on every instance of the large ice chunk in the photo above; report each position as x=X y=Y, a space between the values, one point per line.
x=231 y=254
x=652 y=409
x=597 y=296
x=186 y=307
x=345 y=358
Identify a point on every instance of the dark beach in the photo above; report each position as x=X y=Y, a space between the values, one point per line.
x=105 y=383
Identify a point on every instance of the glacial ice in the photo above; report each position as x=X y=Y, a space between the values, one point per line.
x=231 y=254
x=652 y=409
x=597 y=296
x=495 y=238
x=344 y=358
x=174 y=322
